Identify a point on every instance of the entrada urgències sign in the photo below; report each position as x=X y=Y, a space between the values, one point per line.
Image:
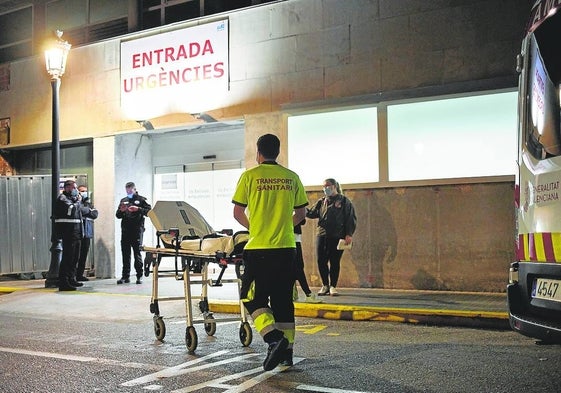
x=182 y=71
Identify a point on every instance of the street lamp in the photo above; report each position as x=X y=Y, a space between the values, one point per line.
x=55 y=60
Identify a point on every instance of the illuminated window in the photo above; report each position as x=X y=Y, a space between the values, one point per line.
x=342 y=145
x=459 y=137
x=471 y=136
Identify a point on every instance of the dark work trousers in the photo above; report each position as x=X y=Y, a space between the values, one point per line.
x=329 y=260
x=84 y=249
x=299 y=267
x=271 y=275
x=131 y=240
x=70 y=254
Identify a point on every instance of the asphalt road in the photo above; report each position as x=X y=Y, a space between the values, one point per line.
x=64 y=353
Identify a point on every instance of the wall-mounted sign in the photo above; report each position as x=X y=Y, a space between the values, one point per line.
x=181 y=71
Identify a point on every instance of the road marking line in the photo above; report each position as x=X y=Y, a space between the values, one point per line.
x=218 y=383
x=48 y=355
x=84 y=359
x=322 y=389
x=310 y=329
x=182 y=369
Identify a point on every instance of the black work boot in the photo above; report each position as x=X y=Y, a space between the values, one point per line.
x=287 y=359
x=64 y=285
x=275 y=354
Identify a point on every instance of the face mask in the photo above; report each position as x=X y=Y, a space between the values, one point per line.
x=130 y=196
x=84 y=194
x=328 y=191
x=74 y=192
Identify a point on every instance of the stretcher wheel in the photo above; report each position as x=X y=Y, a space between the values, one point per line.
x=210 y=327
x=159 y=328
x=246 y=334
x=191 y=339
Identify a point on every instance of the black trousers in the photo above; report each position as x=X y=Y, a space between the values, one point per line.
x=299 y=268
x=84 y=249
x=70 y=255
x=329 y=260
x=267 y=285
x=131 y=241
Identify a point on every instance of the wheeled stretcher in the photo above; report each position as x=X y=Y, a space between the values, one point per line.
x=194 y=247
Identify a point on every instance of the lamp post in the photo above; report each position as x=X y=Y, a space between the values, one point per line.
x=55 y=60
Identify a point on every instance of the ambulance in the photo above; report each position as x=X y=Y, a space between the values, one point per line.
x=534 y=289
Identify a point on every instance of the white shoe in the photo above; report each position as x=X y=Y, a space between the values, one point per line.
x=323 y=291
x=333 y=291
x=312 y=298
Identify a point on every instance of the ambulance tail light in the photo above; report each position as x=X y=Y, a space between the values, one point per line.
x=513 y=273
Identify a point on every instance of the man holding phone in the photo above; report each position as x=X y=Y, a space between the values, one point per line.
x=131 y=211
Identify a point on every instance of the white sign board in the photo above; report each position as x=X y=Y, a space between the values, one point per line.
x=182 y=71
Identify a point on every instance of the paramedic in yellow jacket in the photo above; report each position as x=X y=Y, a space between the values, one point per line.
x=275 y=201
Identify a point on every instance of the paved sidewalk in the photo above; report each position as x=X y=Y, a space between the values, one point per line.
x=131 y=301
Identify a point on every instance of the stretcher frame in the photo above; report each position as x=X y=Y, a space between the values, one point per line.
x=192 y=262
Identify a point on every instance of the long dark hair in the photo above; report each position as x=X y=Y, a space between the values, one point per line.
x=335 y=183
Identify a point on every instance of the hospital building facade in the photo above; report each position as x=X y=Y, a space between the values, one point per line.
x=174 y=99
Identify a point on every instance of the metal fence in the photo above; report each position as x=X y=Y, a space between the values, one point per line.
x=25 y=224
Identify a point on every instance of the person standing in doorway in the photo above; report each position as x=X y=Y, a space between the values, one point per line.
x=68 y=214
x=131 y=211
x=87 y=235
x=275 y=200
x=337 y=220
x=300 y=273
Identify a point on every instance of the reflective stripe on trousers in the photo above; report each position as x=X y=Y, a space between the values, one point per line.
x=68 y=220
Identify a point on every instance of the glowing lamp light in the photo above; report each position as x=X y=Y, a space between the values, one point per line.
x=55 y=57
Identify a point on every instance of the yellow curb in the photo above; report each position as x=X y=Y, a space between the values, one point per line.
x=10 y=289
x=365 y=313
x=333 y=311
x=225 y=307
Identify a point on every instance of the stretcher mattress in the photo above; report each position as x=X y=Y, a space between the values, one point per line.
x=208 y=245
x=196 y=236
x=178 y=214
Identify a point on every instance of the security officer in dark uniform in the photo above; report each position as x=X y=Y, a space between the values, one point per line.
x=131 y=212
x=88 y=232
x=68 y=224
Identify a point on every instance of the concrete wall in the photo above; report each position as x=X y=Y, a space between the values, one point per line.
x=456 y=237
x=133 y=162
x=315 y=54
x=105 y=249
